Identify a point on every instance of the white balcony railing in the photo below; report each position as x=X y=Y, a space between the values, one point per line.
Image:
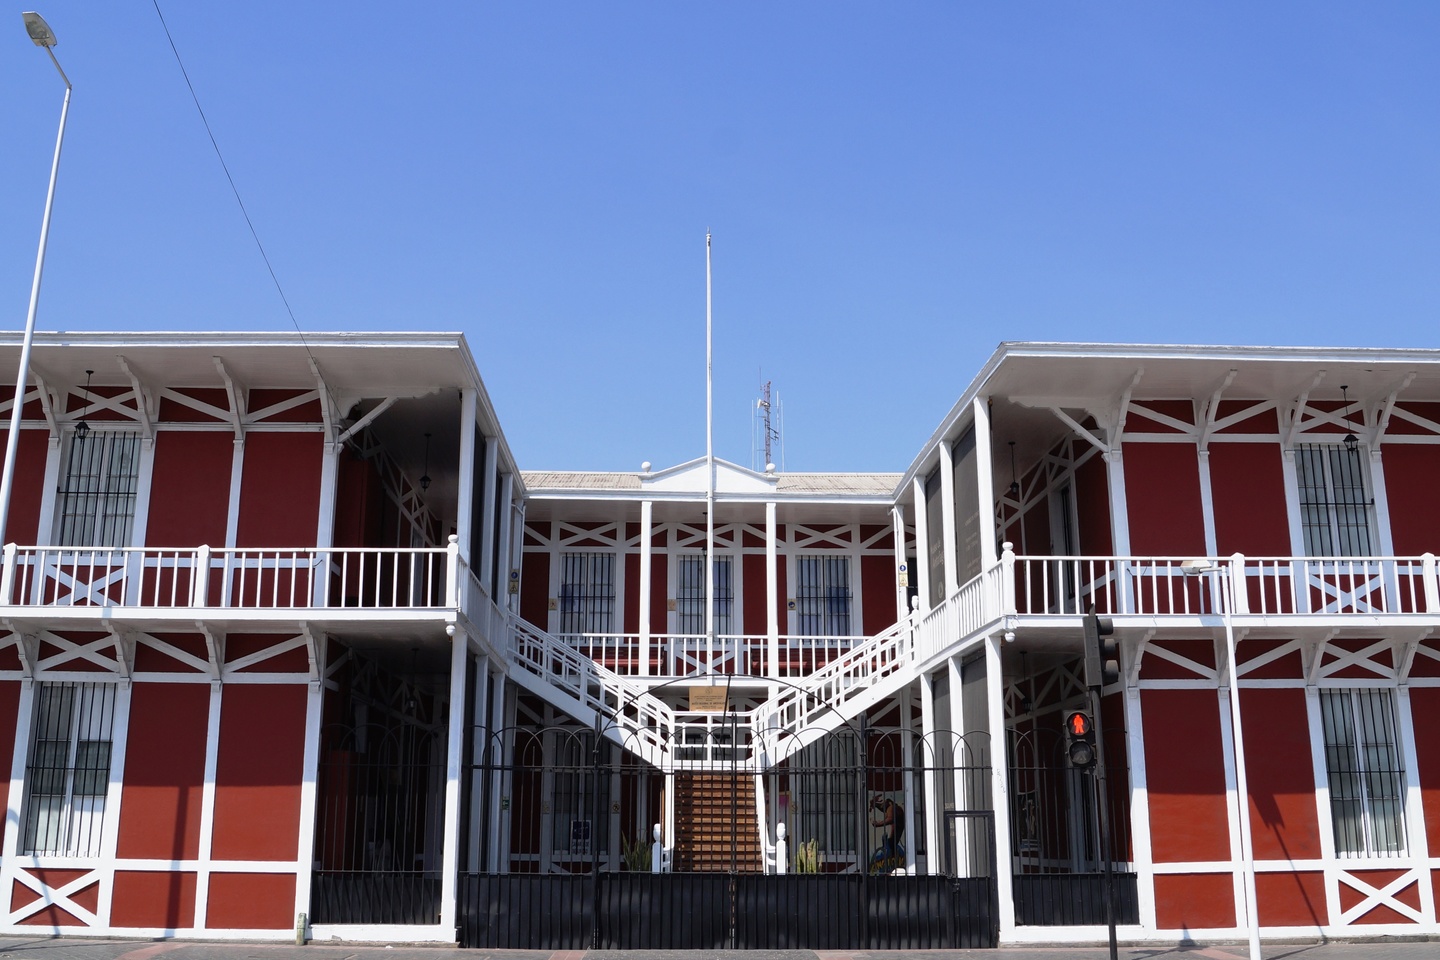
x=1270 y=586
x=685 y=655
x=343 y=578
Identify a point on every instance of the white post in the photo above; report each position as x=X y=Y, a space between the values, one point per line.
x=200 y=587
x=947 y=518
x=450 y=844
x=1242 y=782
x=922 y=543
x=984 y=482
x=782 y=850
x=772 y=590
x=1428 y=573
x=657 y=852
x=647 y=561
x=466 y=479
x=484 y=571
x=305 y=855
x=452 y=572
x=999 y=779
x=7 y=576
x=902 y=571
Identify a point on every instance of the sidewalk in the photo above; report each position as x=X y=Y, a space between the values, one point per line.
x=78 y=948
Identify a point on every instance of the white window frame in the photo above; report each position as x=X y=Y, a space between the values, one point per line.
x=96 y=504
x=69 y=822
x=1343 y=517
x=1364 y=822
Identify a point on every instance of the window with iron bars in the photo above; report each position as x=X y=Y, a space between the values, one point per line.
x=822 y=596
x=1334 y=504
x=68 y=772
x=97 y=493
x=587 y=592
x=690 y=596
x=1366 y=776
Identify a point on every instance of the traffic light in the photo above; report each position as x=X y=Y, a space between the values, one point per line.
x=1079 y=740
x=1102 y=651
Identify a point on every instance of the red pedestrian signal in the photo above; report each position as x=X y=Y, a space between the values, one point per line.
x=1080 y=740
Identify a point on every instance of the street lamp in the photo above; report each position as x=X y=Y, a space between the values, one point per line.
x=42 y=36
x=1226 y=576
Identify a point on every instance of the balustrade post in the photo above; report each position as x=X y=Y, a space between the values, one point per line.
x=7 y=575
x=452 y=572
x=1239 y=592
x=1427 y=572
x=1007 y=578
x=200 y=577
x=782 y=850
x=657 y=852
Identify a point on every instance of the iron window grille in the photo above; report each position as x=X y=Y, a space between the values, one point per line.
x=690 y=596
x=587 y=592
x=68 y=772
x=822 y=596
x=1366 y=776
x=97 y=494
x=1334 y=502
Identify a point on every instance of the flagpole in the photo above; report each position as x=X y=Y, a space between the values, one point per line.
x=709 y=465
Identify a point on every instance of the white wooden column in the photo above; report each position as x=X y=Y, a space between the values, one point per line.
x=922 y=543
x=454 y=757
x=1416 y=842
x=947 y=517
x=309 y=778
x=1381 y=499
x=207 y=804
x=465 y=481
x=232 y=507
x=1119 y=508
x=772 y=590
x=479 y=741
x=999 y=781
x=1292 y=503
x=930 y=755
x=505 y=533
x=486 y=567
x=44 y=530
x=324 y=525
x=1139 y=807
x=18 y=762
x=1207 y=503
x=902 y=569
x=985 y=483
x=499 y=862
x=647 y=561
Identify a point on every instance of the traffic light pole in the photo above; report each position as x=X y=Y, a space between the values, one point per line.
x=1102 y=807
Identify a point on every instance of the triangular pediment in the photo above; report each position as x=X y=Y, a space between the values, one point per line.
x=692 y=477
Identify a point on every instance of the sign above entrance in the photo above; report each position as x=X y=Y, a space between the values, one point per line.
x=707 y=699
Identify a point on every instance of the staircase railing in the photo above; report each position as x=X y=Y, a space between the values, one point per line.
x=641 y=721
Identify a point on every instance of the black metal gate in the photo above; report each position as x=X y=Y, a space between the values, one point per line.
x=1059 y=876
x=559 y=841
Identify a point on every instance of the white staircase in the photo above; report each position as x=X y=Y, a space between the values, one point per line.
x=814 y=705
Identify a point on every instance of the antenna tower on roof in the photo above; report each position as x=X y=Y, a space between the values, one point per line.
x=765 y=440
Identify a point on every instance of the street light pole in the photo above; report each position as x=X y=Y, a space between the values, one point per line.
x=1227 y=576
x=42 y=36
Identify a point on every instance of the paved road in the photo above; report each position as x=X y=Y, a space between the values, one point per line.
x=78 y=948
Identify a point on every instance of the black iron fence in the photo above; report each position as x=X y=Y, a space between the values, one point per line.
x=1059 y=851
x=559 y=846
x=721 y=911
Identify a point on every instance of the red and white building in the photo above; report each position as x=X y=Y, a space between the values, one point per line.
x=289 y=642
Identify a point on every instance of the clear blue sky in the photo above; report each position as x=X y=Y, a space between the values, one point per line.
x=893 y=190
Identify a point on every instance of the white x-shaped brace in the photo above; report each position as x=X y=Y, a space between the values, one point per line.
x=1384 y=896
x=57 y=896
